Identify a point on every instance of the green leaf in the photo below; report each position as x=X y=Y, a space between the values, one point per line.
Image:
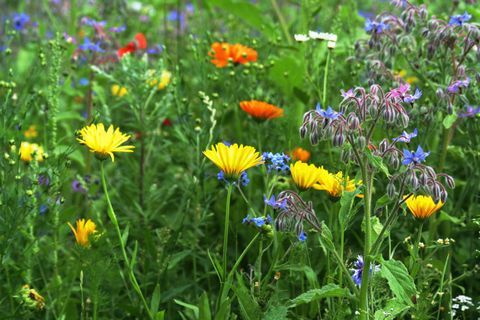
x=327 y=291
x=377 y=162
x=249 y=308
x=449 y=120
x=276 y=313
x=393 y=309
x=326 y=239
x=188 y=306
x=204 y=308
x=216 y=265
x=224 y=310
x=288 y=72
x=346 y=203
x=160 y=315
x=155 y=302
x=399 y=281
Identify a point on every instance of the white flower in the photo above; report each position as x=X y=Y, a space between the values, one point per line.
x=301 y=37
x=331 y=45
x=322 y=36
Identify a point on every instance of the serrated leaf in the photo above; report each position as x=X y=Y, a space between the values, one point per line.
x=327 y=291
x=449 y=120
x=276 y=313
x=377 y=162
x=346 y=203
x=393 y=309
x=249 y=308
x=399 y=281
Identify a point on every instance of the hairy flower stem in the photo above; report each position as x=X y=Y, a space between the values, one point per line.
x=225 y=231
x=368 y=238
x=113 y=219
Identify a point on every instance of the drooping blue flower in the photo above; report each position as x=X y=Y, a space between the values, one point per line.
x=277 y=162
x=411 y=99
x=406 y=137
x=455 y=87
x=375 y=27
x=77 y=186
x=358 y=270
x=329 y=113
x=414 y=157
x=470 y=112
x=90 y=46
x=274 y=203
x=20 y=20
x=302 y=237
x=460 y=19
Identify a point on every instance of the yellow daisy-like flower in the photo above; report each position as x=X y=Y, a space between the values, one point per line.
x=233 y=159
x=422 y=207
x=104 y=143
x=83 y=231
x=335 y=184
x=31 y=132
x=118 y=91
x=165 y=78
x=30 y=150
x=306 y=175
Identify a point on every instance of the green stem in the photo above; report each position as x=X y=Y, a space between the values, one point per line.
x=325 y=79
x=225 y=231
x=364 y=315
x=113 y=219
x=283 y=23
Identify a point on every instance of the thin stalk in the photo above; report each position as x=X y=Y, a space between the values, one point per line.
x=281 y=19
x=113 y=219
x=325 y=79
x=225 y=231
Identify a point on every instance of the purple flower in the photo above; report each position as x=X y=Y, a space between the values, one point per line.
x=470 y=112
x=347 y=94
x=90 y=46
x=244 y=180
x=118 y=29
x=83 y=82
x=69 y=38
x=77 y=186
x=375 y=27
x=156 y=49
x=93 y=23
x=358 y=267
x=302 y=237
x=459 y=19
x=277 y=162
x=274 y=203
x=257 y=221
x=20 y=20
x=43 y=180
x=406 y=137
x=414 y=157
x=411 y=99
x=329 y=113
x=401 y=91
x=455 y=87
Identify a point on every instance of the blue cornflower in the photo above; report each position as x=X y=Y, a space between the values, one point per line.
x=470 y=112
x=302 y=236
x=244 y=180
x=276 y=161
x=460 y=19
x=358 y=270
x=90 y=46
x=329 y=113
x=406 y=137
x=414 y=157
x=375 y=27
x=20 y=20
x=274 y=203
x=411 y=99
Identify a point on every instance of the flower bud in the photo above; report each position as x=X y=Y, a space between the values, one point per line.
x=450 y=182
x=314 y=138
x=338 y=139
x=391 y=190
x=361 y=142
x=443 y=196
x=436 y=192
x=383 y=145
x=461 y=71
x=303 y=131
x=440 y=93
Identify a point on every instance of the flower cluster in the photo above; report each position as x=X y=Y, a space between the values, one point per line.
x=461 y=303
x=263 y=224
x=321 y=36
x=243 y=178
x=277 y=162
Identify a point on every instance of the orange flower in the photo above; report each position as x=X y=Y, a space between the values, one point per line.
x=261 y=110
x=300 y=154
x=236 y=53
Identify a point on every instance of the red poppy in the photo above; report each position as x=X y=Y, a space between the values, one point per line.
x=139 y=43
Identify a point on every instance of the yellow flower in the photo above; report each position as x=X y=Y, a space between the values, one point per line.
x=402 y=74
x=31 y=132
x=32 y=298
x=28 y=150
x=335 y=184
x=422 y=207
x=233 y=159
x=104 y=143
x=83 y=231
x=164 y=79
x=118 y=91
x=306 y=175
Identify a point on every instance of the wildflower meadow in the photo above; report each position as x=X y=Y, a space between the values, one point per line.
x=240 y=159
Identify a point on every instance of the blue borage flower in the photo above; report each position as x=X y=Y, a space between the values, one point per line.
x=329 y=113
x=259 y=222
x=244 y=180
x=277 y=162
x=460 y=19
x=358 y=270
x=20 y=20
x=411 y=99
x=470 y=112
x=302 y=237
x=90 y=46
x=375 y=27
x=406 y=137
x=414 y=157
x=274 y=203
x=455 y=87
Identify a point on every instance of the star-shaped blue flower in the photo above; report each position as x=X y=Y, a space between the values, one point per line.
x=460 y=19
x=329 y=113
x=414 y=157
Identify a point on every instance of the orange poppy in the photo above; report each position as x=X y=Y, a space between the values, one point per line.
x=261 y=110
x=300 y=154
x=222 y=53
